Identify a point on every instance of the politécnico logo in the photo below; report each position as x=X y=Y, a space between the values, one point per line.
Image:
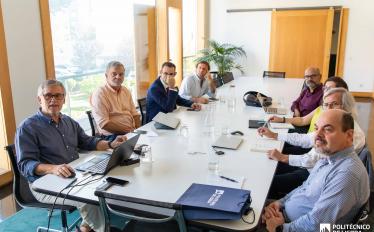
x=327 y=227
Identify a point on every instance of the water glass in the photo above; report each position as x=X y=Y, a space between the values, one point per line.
x=183 y=131
x=213 y=160
x=146 y=154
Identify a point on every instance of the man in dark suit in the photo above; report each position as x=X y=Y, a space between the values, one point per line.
x=163 y=94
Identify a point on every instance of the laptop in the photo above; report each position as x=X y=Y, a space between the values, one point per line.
x=103 y=163
x=166 y=121
x=271 y=110
x=228 y=142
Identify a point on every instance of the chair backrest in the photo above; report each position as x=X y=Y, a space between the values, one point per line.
x=274 y=74
x=227 y=77
x=21 y=188
x=365 y=156
x=94 y=129
x=142 y=102
x=217 y=79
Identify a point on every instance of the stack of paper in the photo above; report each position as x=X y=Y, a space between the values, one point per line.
x=264 y=145
x=276 y=125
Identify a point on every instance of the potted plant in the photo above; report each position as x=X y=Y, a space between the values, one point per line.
x=223 y=56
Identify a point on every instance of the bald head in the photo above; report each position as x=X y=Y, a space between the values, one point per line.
x=334 y=131
x=312 y=77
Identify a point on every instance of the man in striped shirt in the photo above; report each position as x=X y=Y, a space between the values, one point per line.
x=338 y=185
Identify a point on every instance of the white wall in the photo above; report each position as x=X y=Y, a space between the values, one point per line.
x=25 y=53
x=252 y=29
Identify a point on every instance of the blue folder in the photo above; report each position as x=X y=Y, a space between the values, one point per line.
x=202 y=201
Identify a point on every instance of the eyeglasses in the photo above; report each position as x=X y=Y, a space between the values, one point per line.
x=332 y=105
x=114 y=74
x=310 y=76
x=57 y=96
x=169 y=74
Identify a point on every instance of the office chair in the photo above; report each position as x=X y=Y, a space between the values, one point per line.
x=25 y=199
x=227 y=77
x=142 y=102
x=110 y=203
x=94 y=130
x=274 y=74
x=362 y=214
x=217 y=79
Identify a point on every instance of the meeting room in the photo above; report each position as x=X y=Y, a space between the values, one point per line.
x=186 y=115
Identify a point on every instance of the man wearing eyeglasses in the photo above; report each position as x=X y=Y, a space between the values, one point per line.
x=112 y=105
x=163 y=96
x=311 y=97
x=47 y=141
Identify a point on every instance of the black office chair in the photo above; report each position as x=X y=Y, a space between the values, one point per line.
x=142 y=102
x=274 y=74
x=25 y=199
x=170 y=220
x=217 y=79
x=227 y=77
x=362 y=215
x=94 y=129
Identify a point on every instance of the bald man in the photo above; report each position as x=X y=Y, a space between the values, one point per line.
x=338 y=185
x=311 y=97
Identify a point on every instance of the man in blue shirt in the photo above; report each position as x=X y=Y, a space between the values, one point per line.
x=163 y=96
x=338 y=185
x=47 y=141
x=195 y=86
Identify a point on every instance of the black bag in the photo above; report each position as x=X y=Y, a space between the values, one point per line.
x=250 y=98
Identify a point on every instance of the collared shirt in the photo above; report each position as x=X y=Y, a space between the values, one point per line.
x=335 y=190
x=109 y=105
x=308 y=101
x=191 y=87
x=309 y=159
x=41 y=140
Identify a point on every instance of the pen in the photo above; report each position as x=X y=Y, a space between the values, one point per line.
x=229 y=179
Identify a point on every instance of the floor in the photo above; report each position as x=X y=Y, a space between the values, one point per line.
x=365 y=108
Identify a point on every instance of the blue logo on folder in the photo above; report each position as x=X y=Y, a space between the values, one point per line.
x=202 y=201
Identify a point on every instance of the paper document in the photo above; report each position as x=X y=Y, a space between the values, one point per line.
x=225 y=180
x=264 y=145
x=276 y=125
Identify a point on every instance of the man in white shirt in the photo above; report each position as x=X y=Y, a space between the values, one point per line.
x=195 y=86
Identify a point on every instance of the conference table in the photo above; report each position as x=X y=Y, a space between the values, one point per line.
x=180 y=159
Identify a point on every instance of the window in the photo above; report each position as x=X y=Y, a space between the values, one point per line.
x=189 y=35
x=87 y=34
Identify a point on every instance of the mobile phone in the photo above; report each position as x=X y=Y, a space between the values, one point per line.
x=116 y=181
x=213 y=99
x=141 y=132
x=190 y=109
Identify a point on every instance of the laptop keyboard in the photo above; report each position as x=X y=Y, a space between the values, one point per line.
x=99 y=167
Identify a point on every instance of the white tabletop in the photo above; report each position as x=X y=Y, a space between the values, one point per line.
x=174 y=170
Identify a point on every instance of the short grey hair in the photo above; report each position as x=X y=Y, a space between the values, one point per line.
x=49 y=83
x=113 y=63
x=348 y=102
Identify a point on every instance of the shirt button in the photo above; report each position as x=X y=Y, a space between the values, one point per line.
x=67 y=147
x=63 y=135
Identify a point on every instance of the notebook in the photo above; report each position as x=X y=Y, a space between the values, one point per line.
x=166 y=121
x=275 y=110
x=256 y=123
x=101 y=164
x=276 y=125
x=228 y=142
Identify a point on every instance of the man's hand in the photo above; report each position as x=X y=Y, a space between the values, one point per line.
x=274 y=221
x=276 y=155
x=270 y=210
x=275 y=119
x=196 y=106
x=118 y=141
x=202 y=100
x=264 y=131
x=170 y=81
x=62 y=170
x=296 y=113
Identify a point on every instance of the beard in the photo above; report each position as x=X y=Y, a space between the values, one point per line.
x=321 y=148
x=311 y=84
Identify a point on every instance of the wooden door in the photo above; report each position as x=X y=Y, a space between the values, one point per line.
x=343 y=27
x=299 y=39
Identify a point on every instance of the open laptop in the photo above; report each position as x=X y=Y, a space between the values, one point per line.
x=271 y=110
x=166 y=121
x=228 y=142
x=103 y=163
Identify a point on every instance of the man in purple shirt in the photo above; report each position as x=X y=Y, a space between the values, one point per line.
x=311 y=97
